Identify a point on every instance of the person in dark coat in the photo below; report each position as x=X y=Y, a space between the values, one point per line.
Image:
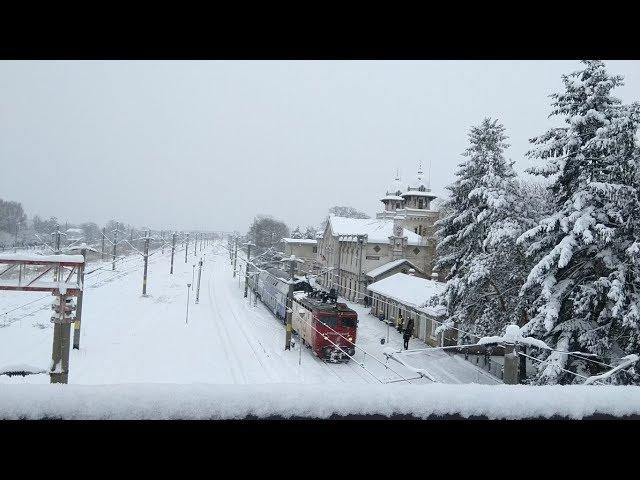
x=408 y=331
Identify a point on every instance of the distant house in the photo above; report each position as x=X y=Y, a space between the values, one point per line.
x=303 y=248
x=409 y=295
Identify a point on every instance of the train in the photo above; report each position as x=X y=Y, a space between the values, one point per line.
x=324 y=325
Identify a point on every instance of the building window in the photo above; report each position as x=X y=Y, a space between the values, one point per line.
x=315 y=249
x=376 y=249
x=416 y=250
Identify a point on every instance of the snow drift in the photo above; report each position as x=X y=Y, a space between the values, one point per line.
x=204 y=401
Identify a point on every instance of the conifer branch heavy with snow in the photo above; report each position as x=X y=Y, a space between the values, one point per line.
x=477 y=239
x=585 y=285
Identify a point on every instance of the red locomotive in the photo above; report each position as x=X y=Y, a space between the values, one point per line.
x=328 y=328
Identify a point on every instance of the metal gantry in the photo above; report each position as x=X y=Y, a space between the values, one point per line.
x=62 y=288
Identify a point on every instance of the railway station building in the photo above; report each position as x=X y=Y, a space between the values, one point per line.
x=352 y=253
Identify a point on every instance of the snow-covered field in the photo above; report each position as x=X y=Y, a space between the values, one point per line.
x=130 y=339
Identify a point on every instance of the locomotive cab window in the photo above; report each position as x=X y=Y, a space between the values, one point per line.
x=329 y=320
x=348 y=322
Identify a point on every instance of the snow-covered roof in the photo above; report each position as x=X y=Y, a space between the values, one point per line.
x=300 y=240
x=377 y=230
x=389 y=266
x=392 y=197
x=418 y=193
x=74 y=230
x=409 y=290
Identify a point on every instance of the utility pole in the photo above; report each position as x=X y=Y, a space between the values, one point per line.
x=76 y=324
x=115 y=241
x=195 y=245
x=292 y=270
x=146 y=262
x=198 y=289
x=173 y=250
x=193 y=274
x=235 y=257
x=246 y=270
x=102 y=251
x=186 y=249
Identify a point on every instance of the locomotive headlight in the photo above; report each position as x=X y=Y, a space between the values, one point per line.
x=350 y=339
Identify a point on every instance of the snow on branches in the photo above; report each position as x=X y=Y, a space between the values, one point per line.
x=585 y=284
x=483 y=225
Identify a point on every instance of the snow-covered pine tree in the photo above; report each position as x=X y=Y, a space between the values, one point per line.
x=586 y=285
x=476 y=236
x=297 y=233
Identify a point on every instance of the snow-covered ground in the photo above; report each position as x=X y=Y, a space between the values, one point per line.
x=127 y=338
x=229 y=360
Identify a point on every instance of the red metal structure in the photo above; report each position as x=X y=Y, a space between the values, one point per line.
x=64 y=286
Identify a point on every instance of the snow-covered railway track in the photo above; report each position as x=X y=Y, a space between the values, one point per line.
x=223 y=334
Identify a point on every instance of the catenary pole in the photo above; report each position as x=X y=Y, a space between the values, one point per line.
x=173 y=251
x=115 y=241
x=235 y=257
x=77 y=324
x=292 y=267
x=188 y=290
x=198 y=289
x=146 y=263
x=246 y=270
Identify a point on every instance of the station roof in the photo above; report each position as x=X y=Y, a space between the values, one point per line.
x=377 y=230
x=410 y=290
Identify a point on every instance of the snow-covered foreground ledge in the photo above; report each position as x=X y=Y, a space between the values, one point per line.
x=199 y=401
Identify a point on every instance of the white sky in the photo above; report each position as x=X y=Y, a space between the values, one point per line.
x=210 y=144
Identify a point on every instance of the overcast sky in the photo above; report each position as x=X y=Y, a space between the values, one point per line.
x=210 y=144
